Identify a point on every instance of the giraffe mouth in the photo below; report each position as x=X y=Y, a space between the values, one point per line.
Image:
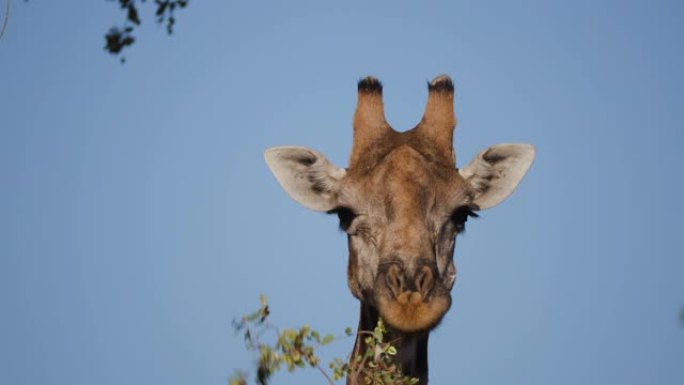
x=411 y=312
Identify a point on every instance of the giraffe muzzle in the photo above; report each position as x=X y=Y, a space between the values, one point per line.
x=411 y=300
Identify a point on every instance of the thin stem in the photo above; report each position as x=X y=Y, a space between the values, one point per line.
x=6 y=19
x=330 y=381
x=357 y=370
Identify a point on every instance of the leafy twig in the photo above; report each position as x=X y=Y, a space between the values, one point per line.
x=296 y=348
x=119 y=38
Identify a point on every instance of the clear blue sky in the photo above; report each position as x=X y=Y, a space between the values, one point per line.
x=137 y=216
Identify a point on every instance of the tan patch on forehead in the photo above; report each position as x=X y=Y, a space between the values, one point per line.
x=407 y=177
x=418 y=182
x=393 y=141
x=406 y=174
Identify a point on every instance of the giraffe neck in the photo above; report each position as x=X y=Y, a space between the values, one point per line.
x=412 y=348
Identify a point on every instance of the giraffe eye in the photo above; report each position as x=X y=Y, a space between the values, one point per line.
x=346 y=216
x=460 y=216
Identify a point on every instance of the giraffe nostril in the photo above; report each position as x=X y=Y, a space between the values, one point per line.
x=395 y=280
x=424 y=281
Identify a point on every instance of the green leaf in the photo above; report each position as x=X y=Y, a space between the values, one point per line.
x=237 y=379
x=327 y=339
x=162 y=8
x=377 y=335
x=133 y=15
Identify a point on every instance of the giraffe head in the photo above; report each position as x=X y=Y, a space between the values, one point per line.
x=402 y=202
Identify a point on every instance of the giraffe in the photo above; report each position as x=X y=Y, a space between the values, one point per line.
x=401 y=202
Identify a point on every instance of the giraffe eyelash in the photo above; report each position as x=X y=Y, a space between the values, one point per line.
x=345 y=215
x=460 y=216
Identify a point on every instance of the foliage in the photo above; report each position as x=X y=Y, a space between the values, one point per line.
x=119 y=38
x=376 y=365
x=296 y=348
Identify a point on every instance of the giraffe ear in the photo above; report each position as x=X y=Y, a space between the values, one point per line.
x=306 y=175
x=496 y=172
